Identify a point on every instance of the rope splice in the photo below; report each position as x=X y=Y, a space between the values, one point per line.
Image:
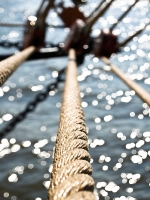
x=71 y=168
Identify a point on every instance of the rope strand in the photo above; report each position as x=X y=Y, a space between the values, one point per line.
x=71 y=168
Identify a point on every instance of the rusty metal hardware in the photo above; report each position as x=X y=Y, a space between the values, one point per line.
x=79 y=31
x=70 y=14
x=35 y=28
x=34 y=33
x=76 y=38
x=105 y=44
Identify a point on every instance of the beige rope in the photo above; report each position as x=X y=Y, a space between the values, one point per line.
x=141 y=92
x=9 y=65
x=71 y=168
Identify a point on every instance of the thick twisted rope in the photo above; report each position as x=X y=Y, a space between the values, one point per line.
x=70 y=178
x=9 y=65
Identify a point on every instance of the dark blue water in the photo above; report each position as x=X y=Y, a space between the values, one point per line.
x=117 y=120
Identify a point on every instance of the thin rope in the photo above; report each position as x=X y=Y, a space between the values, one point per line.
x=71 y=167
x=123 y=15
x=9 y=65
x=141 y=92
x=95 y=10
x=122 y=44
x=91 y=21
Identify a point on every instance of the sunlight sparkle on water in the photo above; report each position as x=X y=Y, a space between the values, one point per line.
x=43 y=128
x=6 y=88
x=41 y=143
x=53 y=138
x=11 y=98
x=84 y=104
x=52 y=93
x=108 y=118
x=30 y=166
x=19 y=169
x=26 y=143
x=12 y=141
x=55 y=74
x=97 y=142
x=38 y=198
x=95 y=103
x=4 y=144
x=13 y=178
x=6 y=194
x=58 y=104
x=132 y=114
x=105 y=168
x=15 y=148
x=7 y=117
x=98 y=127
x=36 y=151
x=97 y=120
x=46 y=184
x=36 y=88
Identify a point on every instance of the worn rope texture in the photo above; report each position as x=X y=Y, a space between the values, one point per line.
x=9 y=65
x=70 y=178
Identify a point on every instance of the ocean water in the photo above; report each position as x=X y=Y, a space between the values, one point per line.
x=116 y=118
